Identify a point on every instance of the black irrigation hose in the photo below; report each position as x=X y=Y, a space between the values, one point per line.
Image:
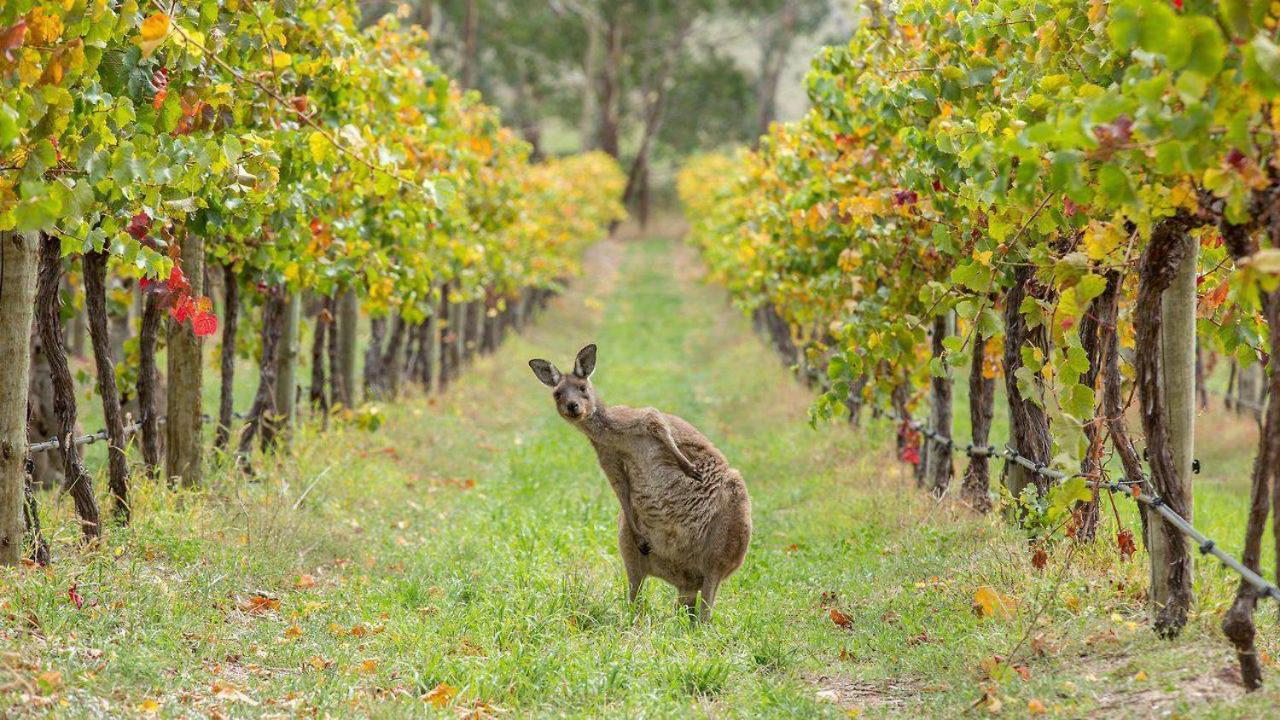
x=1123 y=487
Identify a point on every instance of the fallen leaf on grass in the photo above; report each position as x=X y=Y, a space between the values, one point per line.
x=303 y=582
x=49 y=681
x=258 y=604
x=840 y=619
x=1035 y=707
x=920 y=639
x=319 y=663
x=148 y=706
x=988 y=602
x=441 y=694
x=74 y=596
x=369 y=666
x=292 y=632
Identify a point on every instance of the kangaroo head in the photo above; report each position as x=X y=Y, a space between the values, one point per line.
x=575 y=398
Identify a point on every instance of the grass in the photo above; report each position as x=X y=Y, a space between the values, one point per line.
x=462 y=560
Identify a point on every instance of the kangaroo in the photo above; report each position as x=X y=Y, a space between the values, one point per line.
x=686 y=517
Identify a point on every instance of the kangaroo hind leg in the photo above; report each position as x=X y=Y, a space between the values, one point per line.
x=710 y=585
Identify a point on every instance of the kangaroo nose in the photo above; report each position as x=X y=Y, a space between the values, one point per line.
x=572 y=407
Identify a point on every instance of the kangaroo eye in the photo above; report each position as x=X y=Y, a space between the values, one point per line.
x=557 y=394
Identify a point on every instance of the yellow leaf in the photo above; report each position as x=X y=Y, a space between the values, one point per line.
x=153 y=32
x=318 y=662
x=441 y=694
x=148 y=706
x=1141 y=676
x=988 y=602
x=1035 y=707
x=279 y=60
x=293 y=632
x=369 y=666
x=319 y=146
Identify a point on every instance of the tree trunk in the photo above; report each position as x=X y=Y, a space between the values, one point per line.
x=265 y=408
x=78 y=483
x=976 y=489
x=319 y=396
x=1165 y=393
x=1028 y=425
x=336 y=389
x=608 y=91
x=17 y=298
x=35 y=542
x=373 y=371
x=444 y=371
x=184 y=439
x=348 y=332
x=1107 y=309
x=773 y=60
x=1091 y=331
x=458 y=328
x=1231 y=386
x=94 y=265
x=1238 y=623
x=286 y=372
x=227 y=356
x=392 y=360
x=940 y=470
x=42 y=421
x=431 y=352
x=148 y=395
x=471 y=45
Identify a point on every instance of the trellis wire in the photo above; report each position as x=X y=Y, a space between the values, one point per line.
x=91 y=438
x=1123 y=487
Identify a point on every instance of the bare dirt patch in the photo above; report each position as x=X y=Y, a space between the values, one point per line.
x=888 y=694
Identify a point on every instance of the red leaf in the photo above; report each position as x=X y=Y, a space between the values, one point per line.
x=11 y=39
x=75 y=596
x=183 y=308
x=1124 y=540
x=178 y=281
x=139 y=226
x=204 y=324
x=1039 y=558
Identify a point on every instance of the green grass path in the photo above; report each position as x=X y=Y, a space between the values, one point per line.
x=470 y=545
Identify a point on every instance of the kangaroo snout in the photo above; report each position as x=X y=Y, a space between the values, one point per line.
x=573 y=409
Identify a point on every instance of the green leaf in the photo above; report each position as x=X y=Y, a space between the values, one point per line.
x=1089 y=287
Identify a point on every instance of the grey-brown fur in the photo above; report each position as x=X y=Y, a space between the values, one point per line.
x=686 y=517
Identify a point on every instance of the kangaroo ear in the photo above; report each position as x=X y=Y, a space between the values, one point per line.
x=545 y=371
x=586 y=362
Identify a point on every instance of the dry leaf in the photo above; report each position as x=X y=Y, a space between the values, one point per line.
x=1039 y=558
x=441 y=694
x=319 y=663
x=1035 y=707
x=259 y=604
x=148 y=706
x=304 y=581
x=292 y=632
x=840 y=618
x=988 y=602
x=369 y=666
